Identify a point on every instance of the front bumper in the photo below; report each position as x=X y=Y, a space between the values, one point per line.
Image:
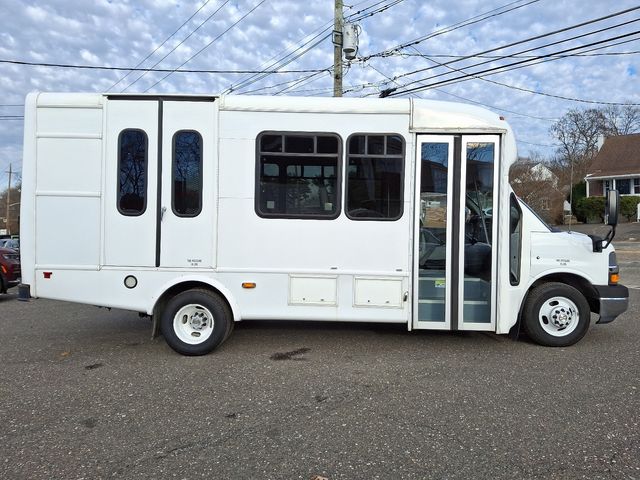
x=613 y=299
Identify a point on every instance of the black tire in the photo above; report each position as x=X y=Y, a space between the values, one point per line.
x=204 y=314
x=548 y=307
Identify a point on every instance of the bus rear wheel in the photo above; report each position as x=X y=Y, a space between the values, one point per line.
x=556 y=315
x=195 y=322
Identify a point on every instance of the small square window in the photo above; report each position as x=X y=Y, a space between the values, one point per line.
x=271 y=143
x=356 y=144
x=327 y=145
x=394 y=145
x=375 y=145
x=298 y=144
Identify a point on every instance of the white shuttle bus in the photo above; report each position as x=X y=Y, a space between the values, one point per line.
x=202 y=211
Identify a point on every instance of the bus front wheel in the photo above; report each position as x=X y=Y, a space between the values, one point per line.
x=556 y=315
x=195 y=322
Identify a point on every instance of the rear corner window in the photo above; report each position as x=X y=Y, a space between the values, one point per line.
x=132 y=172
x=186 y=173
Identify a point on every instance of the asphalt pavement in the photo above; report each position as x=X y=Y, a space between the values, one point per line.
x=86 y=393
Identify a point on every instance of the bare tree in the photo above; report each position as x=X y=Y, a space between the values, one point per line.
x=577 y=132
x=621 y=120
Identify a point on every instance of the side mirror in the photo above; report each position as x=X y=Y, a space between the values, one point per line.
x=612 y=207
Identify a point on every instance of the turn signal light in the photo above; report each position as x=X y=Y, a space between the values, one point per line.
x=614 y=278
x=4 y=270
x=248 y=285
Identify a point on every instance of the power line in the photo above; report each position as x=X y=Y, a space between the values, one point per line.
x=353 y=17
x=473 y=101
x=467 y=76
x=526 y=40
x=208 y=44
x=498 y=57
x=493 y=107
x=12 y=105
x=180 y=43
x=263 y=74
x=473 y=20
x=537 y=144
x=165 y=41
x=481 y=77
x=150 y=69
x=328 y=69
x=302 y=81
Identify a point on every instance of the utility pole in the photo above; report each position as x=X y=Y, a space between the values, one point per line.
x=338 y=22
x=9 y=201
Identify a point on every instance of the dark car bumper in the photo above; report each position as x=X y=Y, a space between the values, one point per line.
x=613 y=299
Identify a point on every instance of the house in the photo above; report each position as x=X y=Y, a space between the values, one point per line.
x=616 y=166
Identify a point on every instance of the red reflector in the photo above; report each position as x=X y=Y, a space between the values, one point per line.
x=47 y=274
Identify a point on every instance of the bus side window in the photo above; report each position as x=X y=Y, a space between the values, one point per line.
x=515 y=240
x=375 y=177
x=298 y=175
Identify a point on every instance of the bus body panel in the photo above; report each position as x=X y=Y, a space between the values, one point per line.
x=79 y=245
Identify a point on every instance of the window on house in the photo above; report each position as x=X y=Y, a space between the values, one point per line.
x=606 y=186
x=132 y=172
x=636 y=186
x=623 y=185
x=298 y=175
x=544 y=203
x=375 y=172
x=186 y=173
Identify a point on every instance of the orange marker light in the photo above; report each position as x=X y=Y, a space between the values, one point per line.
x=248 y=285
x=614 y=278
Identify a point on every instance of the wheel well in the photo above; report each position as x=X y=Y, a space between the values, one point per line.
x=579 y=283
x=183 y=287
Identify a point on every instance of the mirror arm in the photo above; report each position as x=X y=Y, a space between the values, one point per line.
x=610 y=236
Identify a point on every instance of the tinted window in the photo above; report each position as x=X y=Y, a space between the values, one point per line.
x=132 y=172
x=186 y=175
x=515 y=241
x=301 y=180
x=375 y=178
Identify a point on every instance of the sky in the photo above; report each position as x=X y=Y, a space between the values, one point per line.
x=250 y=35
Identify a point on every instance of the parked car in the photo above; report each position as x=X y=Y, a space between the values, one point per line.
x=9 y=269
x=10 y=243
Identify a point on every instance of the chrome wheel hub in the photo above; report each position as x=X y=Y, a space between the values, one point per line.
x=559 y=316
x=193 y=324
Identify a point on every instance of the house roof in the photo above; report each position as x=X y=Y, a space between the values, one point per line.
x=618 y=156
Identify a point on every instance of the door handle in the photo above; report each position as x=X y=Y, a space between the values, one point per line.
x=162 y=210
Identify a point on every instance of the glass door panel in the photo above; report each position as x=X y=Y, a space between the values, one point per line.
x=433 y=236
x=477 y=267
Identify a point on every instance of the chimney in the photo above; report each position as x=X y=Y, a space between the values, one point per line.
x=600 y=141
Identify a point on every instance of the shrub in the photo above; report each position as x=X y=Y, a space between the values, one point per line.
x=578 y=192
x=591 y=209
x=629 y=206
